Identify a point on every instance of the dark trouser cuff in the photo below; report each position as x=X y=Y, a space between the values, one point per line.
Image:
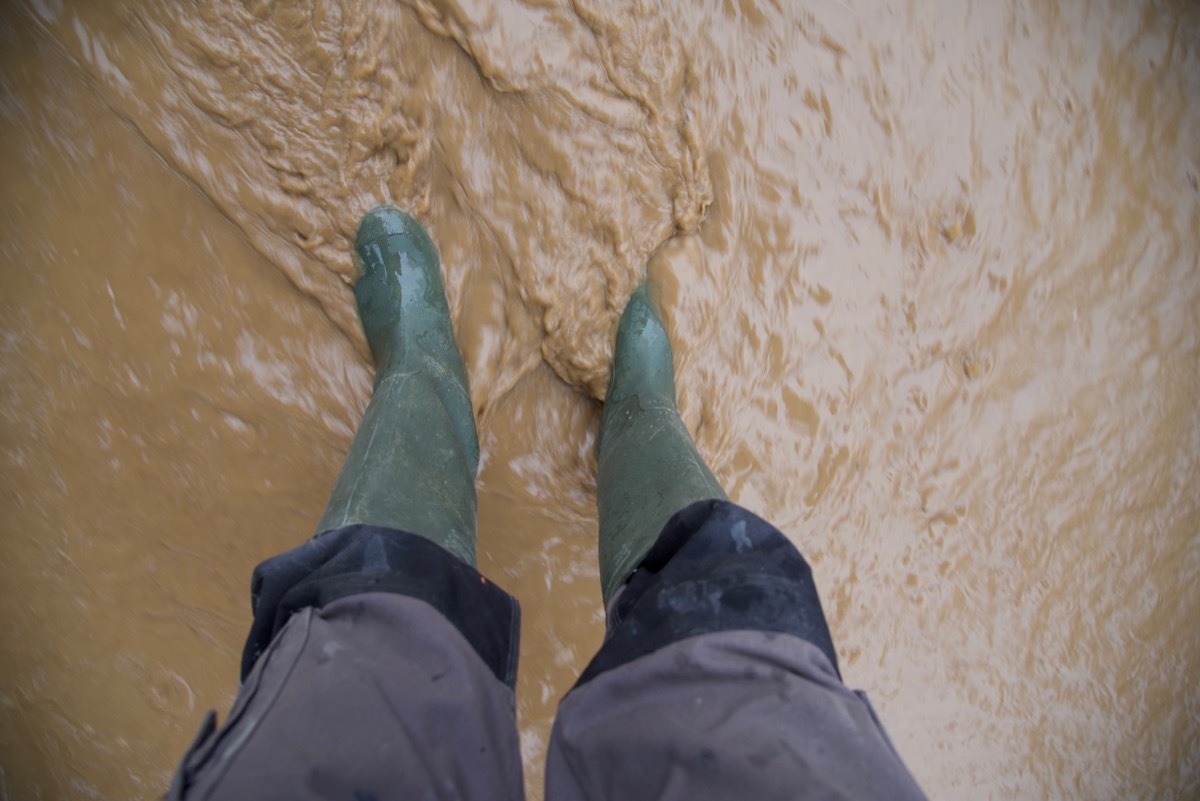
x=715 y=567
x=358 y=559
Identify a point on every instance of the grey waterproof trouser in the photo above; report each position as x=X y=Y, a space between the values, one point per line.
x=366 y=691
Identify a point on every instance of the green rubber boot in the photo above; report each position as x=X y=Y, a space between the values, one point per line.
x=413 y=461
x=649 y=466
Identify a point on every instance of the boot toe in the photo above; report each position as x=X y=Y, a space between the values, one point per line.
x=387 y=220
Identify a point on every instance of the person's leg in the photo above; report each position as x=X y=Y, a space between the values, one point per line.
x=718 y=678
x=412 y=463
x=649 y=466
x=380 y=663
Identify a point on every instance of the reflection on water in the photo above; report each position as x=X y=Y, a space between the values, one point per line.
x=931 y=272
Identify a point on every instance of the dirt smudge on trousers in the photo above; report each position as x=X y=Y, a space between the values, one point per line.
x=932 y=273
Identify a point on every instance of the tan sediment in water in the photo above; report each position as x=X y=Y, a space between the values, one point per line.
x=932 y=273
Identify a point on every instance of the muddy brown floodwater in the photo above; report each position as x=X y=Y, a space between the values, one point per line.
x=931 y=270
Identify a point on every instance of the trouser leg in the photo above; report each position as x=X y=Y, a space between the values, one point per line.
x=718 y=679
x=378 y=667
